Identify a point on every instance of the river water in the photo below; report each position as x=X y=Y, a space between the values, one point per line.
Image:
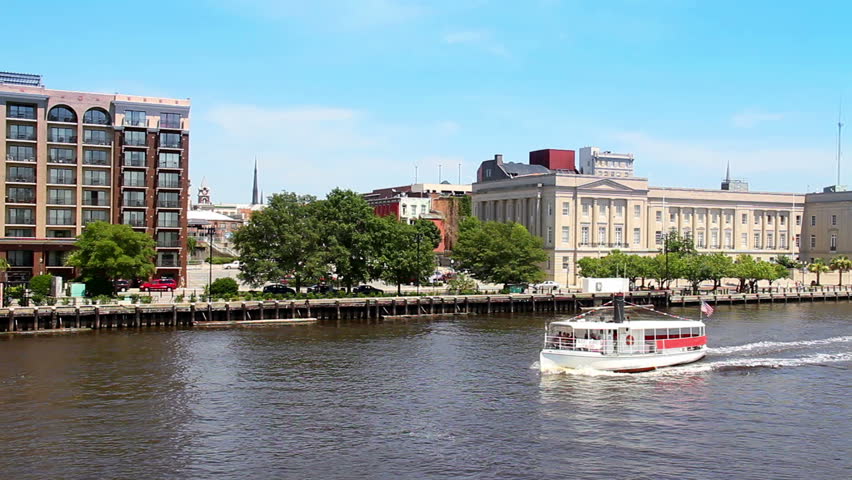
x=443 y=399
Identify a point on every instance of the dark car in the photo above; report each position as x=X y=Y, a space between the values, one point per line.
x=121 y=285
x=321 y=289
x=367 y=290
x=279 y=289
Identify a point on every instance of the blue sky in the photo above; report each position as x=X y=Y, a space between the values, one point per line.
x=355 y=93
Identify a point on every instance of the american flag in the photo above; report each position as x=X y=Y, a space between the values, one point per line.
x=706 y=309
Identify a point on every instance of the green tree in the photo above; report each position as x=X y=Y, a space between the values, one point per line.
x=40 y=284
x=677 y=243
x=840 y=264
x=191 y=245
x=399 y=259
x=499 y=252
x=4 y=265
x=591 y=267
x=280 y=240
x=787 y=262
x=819 y=267
x=665 y=271
x=346 y=226
x=696 y=269
x=223 y=288
x=746 y=270
x=106 y=251
x=461 y=284
x=719 y=266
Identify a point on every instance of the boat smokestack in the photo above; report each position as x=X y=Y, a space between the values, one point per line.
x=618 y=308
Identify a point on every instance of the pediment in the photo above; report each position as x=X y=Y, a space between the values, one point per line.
x=607 y=185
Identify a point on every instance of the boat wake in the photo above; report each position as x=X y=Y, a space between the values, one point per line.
x=774 y=346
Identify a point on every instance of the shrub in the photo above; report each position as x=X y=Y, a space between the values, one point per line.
x=40 y=285
x=146 y=299
x=102 y=299
x=179 y=298
x=193 y=298
x=50 y=301
x=220 y=260
x=16 y=292
x=37 y=299
x=134 y=298
x=98 y=286
x=66 y=301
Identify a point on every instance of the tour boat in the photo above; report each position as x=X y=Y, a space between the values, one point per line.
x=607 y=339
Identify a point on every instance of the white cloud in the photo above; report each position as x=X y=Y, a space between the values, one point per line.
x=751 y=118
x=476 y=38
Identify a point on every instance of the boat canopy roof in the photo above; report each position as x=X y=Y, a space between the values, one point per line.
x=635 y=324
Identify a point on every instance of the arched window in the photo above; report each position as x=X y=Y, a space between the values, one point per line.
x=61 y=114
x=96 y=116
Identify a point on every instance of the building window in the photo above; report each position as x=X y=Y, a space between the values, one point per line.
x=133 y=118
x=566 y=208
x=714 y=238
x=95 y=177
x=782 y=219
x=769 y=219
x=813 y=241
x=134 y=179
x=422 y=207
x=172 y=180
x=782 y=237
x=168 y=199
x=637 y=211
x=566 y=263
x=757 y=240
x=96 y=137
x=566 y=234
x=90 y=216
x=20 y=153
x=134 y=158
x=602 y=209
x=168 y=219
x=687 y=216
x=834 y=220
x=549 y=209
x=618 y=211
x=744 y=219
x=169 y=160
x=60 y=234
x=658 y=237
x=134 y=198
x=96 y=116
x=20 y=132
x=744 y=240
x=95 y=198
x=134 y=138
x=170 y=140
x=56 y=258
x=169 y=120
x=95 y=157
x=728 y=218
x=167 y=259
x=20 y=216
x=729 y=239
x=60 y=196
x=61 y=155
x=61 y=176
x=672 y=217
x=20 y=232
x=61 y=114
x=168 y=239
x=134 y=218
x=584 y=235
x=798 y=240
x=20 y=195
x=27 y=112
x=700 y=241
x=833 y=244
x=770 y=240
x=714 y=218
x=20 y=258
x=757 y=219
x=601 y=235
x=60 y=216
x=659 y=216
x=813 y=220
x=798 y=220
x=549 y=235
x=61 y=135
x=637 y=236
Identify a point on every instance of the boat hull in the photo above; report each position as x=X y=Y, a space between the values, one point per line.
x=558 y=360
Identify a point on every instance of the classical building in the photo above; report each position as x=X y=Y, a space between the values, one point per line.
x=74 y=157
x=827 y=230
x=581 y=215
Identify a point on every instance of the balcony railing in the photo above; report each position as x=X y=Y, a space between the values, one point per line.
x=168 y=204
x=133 y=203
x=62 y=138
x=134 y=222
x=130 y=122
x=135 y=142
x=20 y=199
x=63 y=160
x=96 y=161
x=167 y=262
x=168 y=224
x=168 y=243
x=61 y=118
x=21 y=115
x=21 y=178
x=92 y=202
x=133 y=184
x=61 y=221
x=176 y=125
x=21 y=136
x=19 y=158
x=97 y=141
x=60 y=201
x=89 y=220
x=167 y=184
x=134 y=163
x=168 y=165
x=166 y=144
x=14 y=220
x=62 y=181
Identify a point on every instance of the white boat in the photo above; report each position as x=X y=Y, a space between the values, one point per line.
x=607 y=339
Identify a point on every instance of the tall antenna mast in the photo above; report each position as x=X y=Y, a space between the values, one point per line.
x=839 y=128
x=415 y=174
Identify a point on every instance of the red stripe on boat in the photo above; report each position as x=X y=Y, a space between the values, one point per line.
x=681 y=342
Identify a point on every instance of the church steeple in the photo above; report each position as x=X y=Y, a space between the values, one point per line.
x=254 y=194
x=203 y=193
x=728 y=173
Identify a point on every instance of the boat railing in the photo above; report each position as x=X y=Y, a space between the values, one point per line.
x=602 y=346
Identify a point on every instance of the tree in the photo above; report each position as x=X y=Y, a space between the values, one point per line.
x=4 y=265
x=499 y=252
x=106 y=251
x=746 y=271
x=346 y=226
x=787 y=262
x=719 y=266
x=191 y=245
x=399 y=259
x=677 y=243
x=696 y=269
x=666 y=267
x=279 y=241
x=840 y=263
x=223 y=288
x=40 y=285
x=818 y=266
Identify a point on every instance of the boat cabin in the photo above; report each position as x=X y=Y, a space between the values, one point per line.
x=637 y=337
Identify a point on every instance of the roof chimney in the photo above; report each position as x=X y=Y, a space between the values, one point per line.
x=498 y=157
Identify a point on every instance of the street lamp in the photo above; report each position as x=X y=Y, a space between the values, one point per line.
x=666 y=253
x=417 y=238
x=202 y=230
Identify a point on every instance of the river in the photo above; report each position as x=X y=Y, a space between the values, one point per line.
x=441 y=399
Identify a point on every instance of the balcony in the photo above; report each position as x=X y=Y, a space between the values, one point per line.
x=133 y=184
x=61 y=222
x=62 y=138
x=168 y=204
x=16 y=220
x=170 y=165
x=134 y=203
x=171 y=124
x=167 y=263
x=21 y=178
x=135 y=122
x=135 y=222
x=167 y=144
x=103 y=142
x=168 y=224
x=134 y=163
x=21 y=115
x=135 y=142
x=30 y=137
x=20 y=158
x=168 y=185
x=95 y=202
x=168 y=243
x=61 y=201
x=62 y=181
x=87 y=221
x=21 y=199
x=62 y=160
x=96 y=162
x=61 y=118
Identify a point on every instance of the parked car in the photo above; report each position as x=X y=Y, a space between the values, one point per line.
x=162 y=284
x=121 y=285
x=235 y=265
x=367 y=290
x=321 y=289
x=545 y=286
x=278 y=289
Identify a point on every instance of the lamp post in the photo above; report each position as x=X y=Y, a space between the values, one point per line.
x=666 y=253
x=209 y=231
x=417 y=237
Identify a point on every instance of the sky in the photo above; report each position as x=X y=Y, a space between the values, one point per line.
x=361 y=94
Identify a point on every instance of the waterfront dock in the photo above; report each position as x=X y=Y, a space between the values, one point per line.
x=363 y=310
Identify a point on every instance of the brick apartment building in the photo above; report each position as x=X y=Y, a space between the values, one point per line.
x=72 y=158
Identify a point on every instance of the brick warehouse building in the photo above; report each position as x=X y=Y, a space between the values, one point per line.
x=72 y=158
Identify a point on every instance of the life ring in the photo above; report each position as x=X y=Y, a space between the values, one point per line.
x=629 y=340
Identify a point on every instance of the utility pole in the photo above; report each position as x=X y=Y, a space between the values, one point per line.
x=417 y=237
